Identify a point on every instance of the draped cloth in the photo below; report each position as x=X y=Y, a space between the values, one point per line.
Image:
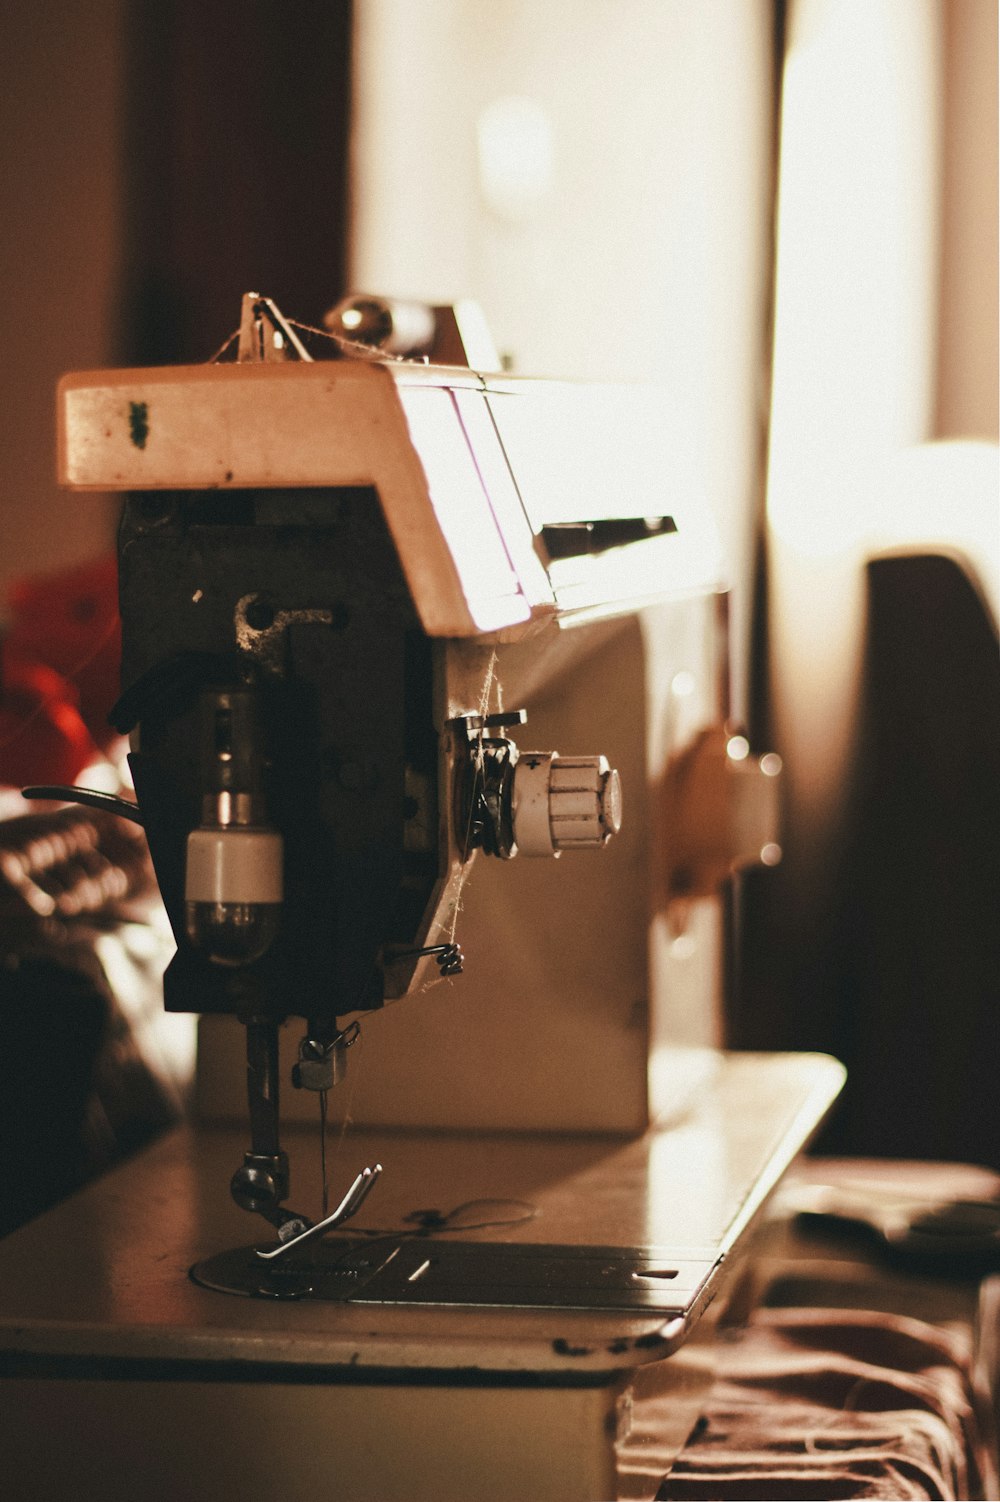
x=834 y=1403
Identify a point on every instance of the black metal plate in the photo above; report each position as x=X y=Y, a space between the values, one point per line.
x=467 y=1274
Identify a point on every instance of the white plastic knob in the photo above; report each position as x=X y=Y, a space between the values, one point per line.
x=564 y=802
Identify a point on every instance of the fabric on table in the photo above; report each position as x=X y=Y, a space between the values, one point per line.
x=818 y=1403
x=86 y=1073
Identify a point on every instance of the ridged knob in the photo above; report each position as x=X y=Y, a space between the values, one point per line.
x=564 y=802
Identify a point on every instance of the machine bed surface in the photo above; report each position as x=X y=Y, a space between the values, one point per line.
x=103 y=1278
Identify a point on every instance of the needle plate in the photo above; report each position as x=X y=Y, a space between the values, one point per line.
x=470 y=1274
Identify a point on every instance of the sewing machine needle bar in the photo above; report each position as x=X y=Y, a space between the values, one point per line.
x=349 y=1205
x=322 y=1153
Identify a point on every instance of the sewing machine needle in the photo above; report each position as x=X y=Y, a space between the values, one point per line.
x=322 y=1153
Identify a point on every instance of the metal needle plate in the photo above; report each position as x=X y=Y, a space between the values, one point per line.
x=467 y=1274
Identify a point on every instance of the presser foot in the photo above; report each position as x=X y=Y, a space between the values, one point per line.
x=298 y=1232
x=281 y=1273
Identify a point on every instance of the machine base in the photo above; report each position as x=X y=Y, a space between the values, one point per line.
x=515 y=1364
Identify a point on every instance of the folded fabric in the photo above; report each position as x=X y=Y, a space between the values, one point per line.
x=828 y=1403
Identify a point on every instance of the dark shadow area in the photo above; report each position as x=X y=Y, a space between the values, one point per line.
x=900 y=979
x=235 y=158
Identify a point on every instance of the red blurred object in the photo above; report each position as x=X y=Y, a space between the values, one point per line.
x=59 y=669
x=69 y=621
x=42 y=735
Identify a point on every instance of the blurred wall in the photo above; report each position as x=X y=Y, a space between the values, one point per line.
x=61 y=236
x=159 y=158
x=237 y=122
x=968 y=360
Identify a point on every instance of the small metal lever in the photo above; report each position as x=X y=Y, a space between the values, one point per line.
x=89 y=797
x=449 y=956
x=265 y=333
x=349 y=1205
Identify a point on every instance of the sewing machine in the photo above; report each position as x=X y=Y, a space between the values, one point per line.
x=425 y=677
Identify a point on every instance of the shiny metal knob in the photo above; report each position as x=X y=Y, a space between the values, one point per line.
x=564 y=802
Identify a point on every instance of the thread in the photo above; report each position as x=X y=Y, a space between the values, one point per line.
x=352 y=348
x=223 y=347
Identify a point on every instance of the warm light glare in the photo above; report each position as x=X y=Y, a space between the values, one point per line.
x=855 y=270
x=683 y=947
x=854 y=341
x=737 y=748
x=489 y=583
x=515 y=151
